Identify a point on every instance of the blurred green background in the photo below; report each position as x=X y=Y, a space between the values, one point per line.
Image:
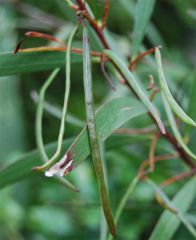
x=39 y=208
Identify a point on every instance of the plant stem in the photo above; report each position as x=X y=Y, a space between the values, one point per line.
x=38 y=128
x=64 y=111
x=39 y=116
x=105 y=14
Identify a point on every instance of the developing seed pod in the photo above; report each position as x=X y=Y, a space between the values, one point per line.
x=174 y=127
x=164 y=87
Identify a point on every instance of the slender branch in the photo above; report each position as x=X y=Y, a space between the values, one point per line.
x=44 y=36
x=152 y=151
x=178 y=177
x=58 y=49
x=93 y=23
x=53 y=159
x=134 y=62
x=105 y=14
x=142 y=172
x=184 y=156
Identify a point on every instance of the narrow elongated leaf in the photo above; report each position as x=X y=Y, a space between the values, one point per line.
x=135 y=86
x=164 y=87
x=174 y=127
x=169 y=222
x=33 y=62
x=143 y=13
x=108 y=118
x=93 y=134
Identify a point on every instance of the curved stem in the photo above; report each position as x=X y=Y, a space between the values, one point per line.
x=39 y=116
x=38 y=127
x=105 y=14
x=53 y=159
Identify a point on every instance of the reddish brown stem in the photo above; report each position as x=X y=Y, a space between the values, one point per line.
x=105 y=14
x=178 y=177
x=44 y=36
x=153 y=94
x=133 y=63
x=180 y=150
x=93 y=23
x=152 y=151
x=159 y=158
x=184 y=156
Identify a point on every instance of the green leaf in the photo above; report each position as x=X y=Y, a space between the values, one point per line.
x=169 y=222
x=108 y=118
x=143 y=13
x=33 y=62
x=136 y=87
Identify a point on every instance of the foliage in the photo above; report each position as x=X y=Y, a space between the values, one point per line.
x=136 y=110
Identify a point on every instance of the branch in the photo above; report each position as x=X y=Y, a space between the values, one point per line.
x=93 y=23
x=105 y=14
